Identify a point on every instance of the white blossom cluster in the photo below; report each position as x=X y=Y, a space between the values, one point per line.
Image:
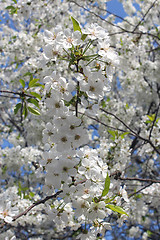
x=94 y=85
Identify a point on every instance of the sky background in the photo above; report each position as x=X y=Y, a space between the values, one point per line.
x=116 y=7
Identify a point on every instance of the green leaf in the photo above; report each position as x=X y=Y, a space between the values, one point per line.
x=116 y=209
x=10 y=7
x=34 y=111
x=33 y=82
x=33 y=101
x=84 y=37
x=38 y=85
x=114 y=134
x=36 y=95
x=108 y=200
x=27 y=74
x=76 y=26
x=15 y=1
x=124 y=134
x=25 y=111
x=127 y=106
x=149 y=233
x=4 y=169
x=103 y=104
x=31 y=194
x=152 y=117
x=17 y=107
x=106 y=186
x=22 y=82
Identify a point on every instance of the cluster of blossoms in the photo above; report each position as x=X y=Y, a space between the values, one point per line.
x=76 y=170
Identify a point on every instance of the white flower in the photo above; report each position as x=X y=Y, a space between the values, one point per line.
x=54 y=34
x=81 y=206
x=95 y=31
x=65 y=168
x=107 y=52
x=7 y=211
x=80 y=137
x=93 y=84
x=96 y=210
x=124 y=193
x=70 y=39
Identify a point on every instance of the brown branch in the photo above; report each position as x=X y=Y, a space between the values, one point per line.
x=36 y=204
x=6 y=91
x=139 y=179
x=137 y=33
x=21 y=94
x=107 y=11
x=114 y=25
x=152 y=5
x=104 y=124
x=132 y=194
x=132 y=131
x=43 y=201
x=95 y=14
x=9 y=97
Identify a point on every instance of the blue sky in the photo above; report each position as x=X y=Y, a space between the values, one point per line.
x=116 y=7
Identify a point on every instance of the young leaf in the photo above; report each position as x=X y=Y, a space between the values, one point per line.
x=76 y=26
x=123 y=134
x=34 y=111
x=22 y=82
x=27 y=74
x=106 y=186
x=33 y=101
x=10 y=7
x=113 y=133
x=36 y=95
x=33 y=82
x=25 y=111
x=84 y=37
x=152 y=117
x=116 y=209
x=17 y=107
x=38 y=85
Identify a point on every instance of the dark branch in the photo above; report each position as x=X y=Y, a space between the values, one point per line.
x=36 y=204
x=144 y=15
x=132 y=131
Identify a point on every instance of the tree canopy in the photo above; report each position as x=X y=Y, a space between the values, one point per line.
x=79 y=120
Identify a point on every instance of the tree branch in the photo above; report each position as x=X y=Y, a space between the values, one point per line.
x=144 y=15
x=132 y=131
x=132 y=194
x=139 y=179
x=36 y=204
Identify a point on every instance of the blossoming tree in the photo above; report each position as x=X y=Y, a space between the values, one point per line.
x=79 y=100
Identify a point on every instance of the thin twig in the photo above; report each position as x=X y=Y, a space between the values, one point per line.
x=21 y=94
x=144 y=16
x=114 y=25
x=139 y=179
x=36 y=204
x=10 y=97
x=132 y=194
x=104 y=124
x=105 y=10
x=132 y=131
x=97 y=15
